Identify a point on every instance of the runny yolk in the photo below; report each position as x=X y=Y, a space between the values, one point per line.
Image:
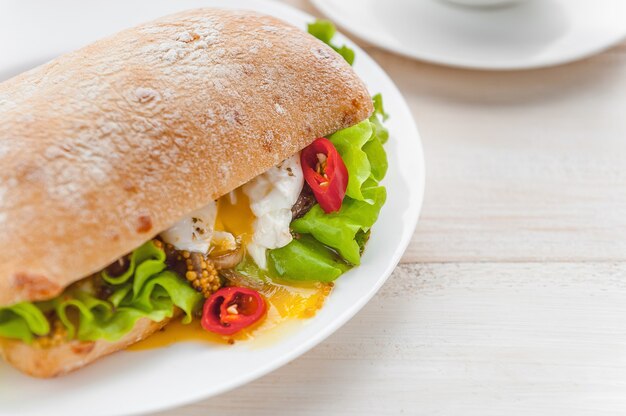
x=286 y=305
x=234 y=215
x=295 y=301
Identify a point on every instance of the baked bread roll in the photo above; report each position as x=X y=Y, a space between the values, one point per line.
x=105 y=147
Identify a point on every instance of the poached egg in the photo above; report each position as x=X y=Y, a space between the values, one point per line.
x=272 y=194
x=256 y=215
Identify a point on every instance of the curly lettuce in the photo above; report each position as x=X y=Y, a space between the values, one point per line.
x=145 y=290
x=361 y=148
x=349 y=143
x=23 y=321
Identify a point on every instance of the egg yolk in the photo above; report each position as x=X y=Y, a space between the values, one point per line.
x=296 y=301
x=285 y=303
x=234 y=215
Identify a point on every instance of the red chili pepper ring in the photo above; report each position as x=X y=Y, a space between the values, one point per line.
x=231 y=309
x=325 y=173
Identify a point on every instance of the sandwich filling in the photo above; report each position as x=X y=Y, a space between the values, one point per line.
x=304 y=221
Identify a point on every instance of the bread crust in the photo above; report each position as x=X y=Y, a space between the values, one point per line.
x=103 y=148
x=72 y=355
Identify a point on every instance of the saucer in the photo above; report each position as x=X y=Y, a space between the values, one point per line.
x=529 y=34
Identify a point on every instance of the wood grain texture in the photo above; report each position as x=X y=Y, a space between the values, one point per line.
x=511 y=298
x=521 y=166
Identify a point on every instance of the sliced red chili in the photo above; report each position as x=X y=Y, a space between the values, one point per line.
x=325 y=173
x=231 y=309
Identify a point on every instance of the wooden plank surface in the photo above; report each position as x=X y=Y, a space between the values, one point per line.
x=521 y=166
x=511 y=298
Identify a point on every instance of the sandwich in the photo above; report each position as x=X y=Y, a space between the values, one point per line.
x=173 y=170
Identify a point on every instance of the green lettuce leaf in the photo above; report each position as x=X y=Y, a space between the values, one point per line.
x=379 y=108
x=338 y=230
x=346 y=52
x=361 y=148
x=361 y=238
x=374 y=147
x=144 y=261
x=23 y=321
x=324 y=30
x=145 y=290
x=113 y=318
x=377 y=119
x=377 y=158
x=305 y=259
x=349 y=143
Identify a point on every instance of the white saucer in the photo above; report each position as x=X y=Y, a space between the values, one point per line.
x=531 y=34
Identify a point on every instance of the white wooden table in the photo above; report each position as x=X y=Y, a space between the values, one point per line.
x=511 y=298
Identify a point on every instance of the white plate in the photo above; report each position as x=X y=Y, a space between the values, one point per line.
x=138 y=382
x=530 y=34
